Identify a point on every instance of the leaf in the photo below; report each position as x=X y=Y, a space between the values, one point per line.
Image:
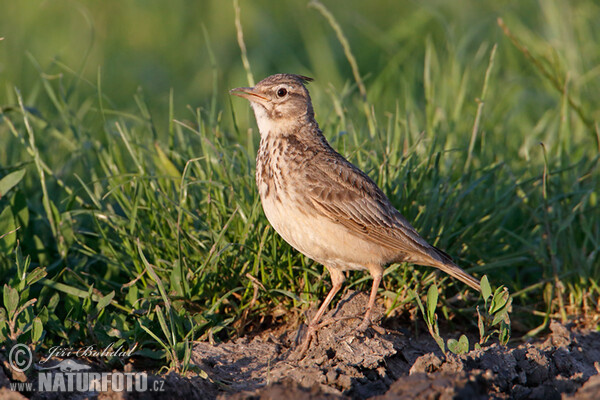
x=42 y=251
x=504 y=334
x=154 y=276
x=167 y=167
x=464 y=343
x=20 y=209
x=453 y=345
x=35 y=275
x=38 y=329
x=500 y=316
x=289 y=294
x=105 y=300
x=163 y=323
x=22 y=265
x=10 y=181
x=57 y=222
x=460 y=346
x=71 y=290
x=150 y=353
x=176 y=278
x=486 y=290
x=8 y=231
x=3 y=329
x=11 y=300
x=419 y=303
x=199 y=371
x=432 y=297
x=53 y=302
x=132 y=295
x=149 y=332
x=499 y=301
x=480 y=325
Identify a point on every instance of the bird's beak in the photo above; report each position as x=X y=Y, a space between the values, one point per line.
x=249 y=94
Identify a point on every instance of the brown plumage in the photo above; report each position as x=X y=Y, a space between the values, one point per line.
x=323 y=205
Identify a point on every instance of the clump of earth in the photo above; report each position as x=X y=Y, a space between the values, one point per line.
x=389 y=364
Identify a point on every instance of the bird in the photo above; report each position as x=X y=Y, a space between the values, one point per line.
x=324 y=206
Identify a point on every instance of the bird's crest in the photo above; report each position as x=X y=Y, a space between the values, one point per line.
x=304 y=79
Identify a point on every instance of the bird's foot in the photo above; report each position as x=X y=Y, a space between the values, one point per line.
x=311 y=334
x=300 y=352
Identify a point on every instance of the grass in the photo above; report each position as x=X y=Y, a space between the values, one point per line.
x=132 y=217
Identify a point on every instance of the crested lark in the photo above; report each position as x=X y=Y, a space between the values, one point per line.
x=321 y=204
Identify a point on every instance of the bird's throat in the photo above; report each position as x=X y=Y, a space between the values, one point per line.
x=264 y=120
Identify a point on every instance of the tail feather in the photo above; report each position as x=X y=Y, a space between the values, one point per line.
x=444 y=262
x=456 y=272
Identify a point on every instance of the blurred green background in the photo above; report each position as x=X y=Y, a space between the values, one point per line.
x=182 y=45
x=135 y=156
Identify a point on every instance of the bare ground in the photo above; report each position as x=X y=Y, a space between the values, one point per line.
x=380 y=364
x=387 y=364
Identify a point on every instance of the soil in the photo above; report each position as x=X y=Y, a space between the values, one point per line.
x=388 y=364
x=382 y=363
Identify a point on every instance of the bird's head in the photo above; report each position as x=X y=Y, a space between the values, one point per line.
x=280 y=102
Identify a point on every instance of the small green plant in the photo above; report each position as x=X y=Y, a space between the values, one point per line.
x=8 y=220
x=460 y=346
x=494 y=320
x=18 y=322
x=430 y=316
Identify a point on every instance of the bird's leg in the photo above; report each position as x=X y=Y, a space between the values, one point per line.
x=337 y=278
x=367 y=318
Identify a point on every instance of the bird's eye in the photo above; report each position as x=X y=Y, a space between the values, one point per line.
x=281 y=92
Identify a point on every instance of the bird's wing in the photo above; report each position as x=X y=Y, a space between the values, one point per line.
x=346 y=195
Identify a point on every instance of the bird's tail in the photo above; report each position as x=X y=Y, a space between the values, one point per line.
x=456 y=272
x=444 y=262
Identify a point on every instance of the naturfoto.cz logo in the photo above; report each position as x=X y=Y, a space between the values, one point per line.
x=69 y=375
